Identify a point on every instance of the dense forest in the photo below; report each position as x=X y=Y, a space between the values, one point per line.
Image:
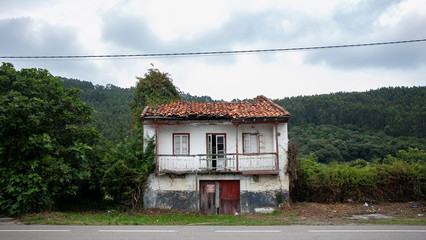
x=399 y=111
x=110 y=105
x=358 y=125
x=348 y=143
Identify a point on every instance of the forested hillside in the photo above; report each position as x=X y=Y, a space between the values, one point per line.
x=397 y=111
x=348 y=142
x=110 y=104
x=193 y=98
x=334 y=127
x=358 y=125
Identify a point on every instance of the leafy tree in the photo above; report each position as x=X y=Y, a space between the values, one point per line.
x=125 y=179
x=47 y=146
x=130 y=167
x=153 y=89
x=412 y=155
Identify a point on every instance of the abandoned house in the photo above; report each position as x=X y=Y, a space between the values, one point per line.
x=217 y=157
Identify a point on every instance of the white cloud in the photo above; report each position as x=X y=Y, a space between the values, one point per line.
x=55 y=27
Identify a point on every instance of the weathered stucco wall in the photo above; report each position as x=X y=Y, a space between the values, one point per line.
x=166 y=192
x=181 y=192
x=198 y=131
x=282 y=155
x=256 y=191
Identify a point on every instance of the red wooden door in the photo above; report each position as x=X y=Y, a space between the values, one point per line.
x=220 y=197
x=229 y=197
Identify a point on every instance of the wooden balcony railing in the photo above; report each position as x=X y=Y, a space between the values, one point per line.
x=217 y=163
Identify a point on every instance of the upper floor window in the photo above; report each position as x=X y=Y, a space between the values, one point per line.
x=180 y=143
x=253 y=143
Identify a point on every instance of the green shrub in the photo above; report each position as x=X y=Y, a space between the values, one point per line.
x=124 y=180
x=47 y=144
x=401 y=178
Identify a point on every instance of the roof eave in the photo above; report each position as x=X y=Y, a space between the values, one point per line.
x=204 y=117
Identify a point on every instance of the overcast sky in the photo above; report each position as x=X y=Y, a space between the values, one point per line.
x=88 y=27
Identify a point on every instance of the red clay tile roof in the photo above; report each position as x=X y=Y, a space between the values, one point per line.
x=260 y=107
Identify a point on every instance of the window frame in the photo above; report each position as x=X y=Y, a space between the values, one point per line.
x=260 y=142
x=215 y=134
x=188 y=144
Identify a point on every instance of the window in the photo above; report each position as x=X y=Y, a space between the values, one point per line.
x=180 y=143
x=253 y=143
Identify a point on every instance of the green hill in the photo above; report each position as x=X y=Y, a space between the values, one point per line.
x=397 y=111
x=111 y=107
x=358 y=125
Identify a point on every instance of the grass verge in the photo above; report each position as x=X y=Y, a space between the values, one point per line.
x=98 y=218
x=276 y=218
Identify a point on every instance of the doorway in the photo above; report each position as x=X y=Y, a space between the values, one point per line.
x=216 y=145
x=220 y=196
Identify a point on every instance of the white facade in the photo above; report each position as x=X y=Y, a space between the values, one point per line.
x=261 y=175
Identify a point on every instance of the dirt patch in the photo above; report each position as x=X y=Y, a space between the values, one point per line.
x=161 y=212
x=317 y=212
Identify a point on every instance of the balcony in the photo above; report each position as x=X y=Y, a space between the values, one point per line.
x=255 y=163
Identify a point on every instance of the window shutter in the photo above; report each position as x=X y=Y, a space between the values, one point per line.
x=251 y=143
x=177 y=144
x=184 y=144
x=246 y=143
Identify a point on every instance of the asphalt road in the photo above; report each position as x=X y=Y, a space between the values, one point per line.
x=365 y=232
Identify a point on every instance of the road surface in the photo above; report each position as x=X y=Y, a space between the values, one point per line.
x=365 y=232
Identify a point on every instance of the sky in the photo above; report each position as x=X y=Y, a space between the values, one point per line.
x=99 y=27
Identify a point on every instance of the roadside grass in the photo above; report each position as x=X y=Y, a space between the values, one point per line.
x=116 y=218
x=101 y=218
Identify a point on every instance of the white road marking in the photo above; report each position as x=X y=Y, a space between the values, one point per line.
x=367 y=231
x=247 y=231
x=46 y=230
x=140 y=231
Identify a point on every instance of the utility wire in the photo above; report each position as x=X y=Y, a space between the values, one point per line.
x=210 y=53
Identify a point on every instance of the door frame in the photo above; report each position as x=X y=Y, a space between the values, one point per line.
x=216 y=202
x=214 y=163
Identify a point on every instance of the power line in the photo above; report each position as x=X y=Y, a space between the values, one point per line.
x=211 y=53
